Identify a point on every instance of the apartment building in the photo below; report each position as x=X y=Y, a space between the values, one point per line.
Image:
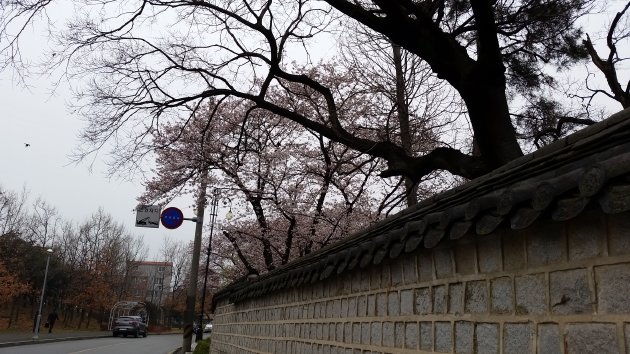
x=150 y=281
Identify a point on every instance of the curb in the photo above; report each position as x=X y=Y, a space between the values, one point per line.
x=51 y=340
x=64 y=339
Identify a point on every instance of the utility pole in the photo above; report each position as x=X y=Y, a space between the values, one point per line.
x=189 y=314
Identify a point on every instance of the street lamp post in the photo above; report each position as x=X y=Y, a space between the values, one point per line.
x=41 y=298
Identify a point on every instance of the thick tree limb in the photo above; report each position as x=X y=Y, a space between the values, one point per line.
x=442 y=158
x=607 y=67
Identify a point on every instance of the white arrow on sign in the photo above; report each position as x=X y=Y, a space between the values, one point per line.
x=148 y=216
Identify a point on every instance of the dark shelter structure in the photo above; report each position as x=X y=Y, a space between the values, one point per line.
x=531 y=258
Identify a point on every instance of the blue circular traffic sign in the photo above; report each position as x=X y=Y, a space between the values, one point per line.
x=172 y=218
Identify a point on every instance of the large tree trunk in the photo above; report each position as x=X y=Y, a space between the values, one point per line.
x=480 y=81
x=411 y=188
x=489 y=115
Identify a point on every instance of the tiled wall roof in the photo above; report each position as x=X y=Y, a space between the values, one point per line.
x=586 y=169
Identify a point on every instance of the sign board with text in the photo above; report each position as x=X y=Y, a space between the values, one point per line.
x=148 y=216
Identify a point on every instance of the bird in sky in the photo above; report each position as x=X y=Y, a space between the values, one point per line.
x=26 y=145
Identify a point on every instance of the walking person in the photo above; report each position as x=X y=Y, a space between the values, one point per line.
x=52 y=318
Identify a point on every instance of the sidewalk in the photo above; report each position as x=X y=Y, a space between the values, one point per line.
x=10 y=338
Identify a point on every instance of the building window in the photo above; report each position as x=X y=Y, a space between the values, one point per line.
x=160 y=269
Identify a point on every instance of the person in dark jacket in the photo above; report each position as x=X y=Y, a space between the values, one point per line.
x=52 y=318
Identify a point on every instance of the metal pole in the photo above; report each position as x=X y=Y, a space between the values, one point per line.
x=189 y=314
x=213 y=216
x=41 y=298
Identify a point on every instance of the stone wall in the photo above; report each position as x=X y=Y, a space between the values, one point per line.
x=554 y=287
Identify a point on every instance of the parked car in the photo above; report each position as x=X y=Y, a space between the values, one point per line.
x=129 y=325
x=207 y=328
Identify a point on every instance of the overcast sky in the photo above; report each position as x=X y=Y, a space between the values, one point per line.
x=35 y=117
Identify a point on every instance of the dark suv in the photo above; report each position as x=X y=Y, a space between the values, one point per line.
x=130 y=325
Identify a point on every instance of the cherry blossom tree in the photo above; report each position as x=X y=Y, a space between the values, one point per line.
x=294 y=191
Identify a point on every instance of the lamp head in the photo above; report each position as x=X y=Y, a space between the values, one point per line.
x=50 y=251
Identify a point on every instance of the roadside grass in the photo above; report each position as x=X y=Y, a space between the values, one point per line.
x=203 y=347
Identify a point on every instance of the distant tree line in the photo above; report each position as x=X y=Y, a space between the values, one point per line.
x=88 y=269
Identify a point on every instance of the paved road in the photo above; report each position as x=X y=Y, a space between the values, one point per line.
x=155 y=344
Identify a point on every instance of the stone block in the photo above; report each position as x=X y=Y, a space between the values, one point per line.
x=352 y=306
x=386 y=277
x=443 y=262
x=502 y=295
x=440 y=298
x=426 y=335
x=489 y=253
x=306 y=330
x=618 y=233
x=361 y=306
x=443 y=337
x=381 y=304
x=355 y=285
x=514 y=250
x=346 y=286
x=626 y=333
x=531 y=294
x=376 y=333
x=318 y=310
x=356 y=333
x=339 y=332
x=388 y=334
x=423 y=301
x=406 y=302
x=476 y=300
x=570 y=292
x=344 y=307
x=464 y=337
x=393 y=303
x=371 y=305
x=399 y=331
x=410 y=270
x=600 y=338
x=425 y=266
x=487 y=338
x=586 y=236
x=549 y=339
x=347 y=332
x=613 y=288
x=545 y=243
x=518 y=338
x=365 y=333
x=337 y=308
x=375 y=278
x=465 y=262
x=412 y=335
x=362 y=283
x=456 y=299
x=396 y=270
x=319 y=290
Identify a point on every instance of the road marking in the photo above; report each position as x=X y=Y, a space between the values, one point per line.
x=105 y=346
